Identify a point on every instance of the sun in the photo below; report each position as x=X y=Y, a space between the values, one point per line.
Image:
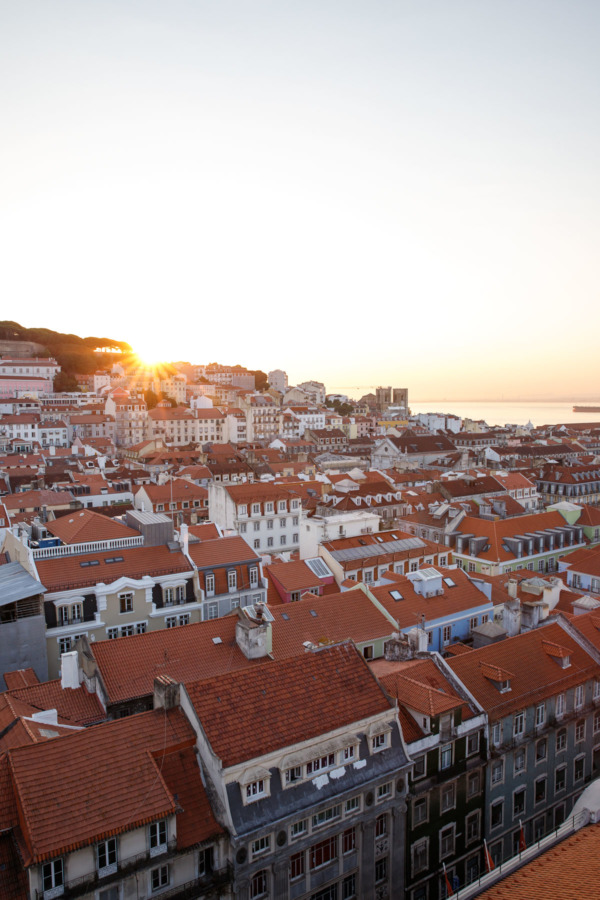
x=150 y=354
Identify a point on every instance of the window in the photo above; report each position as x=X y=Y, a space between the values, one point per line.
x=541 y=750
x=171 y=621
x=379 y=742
x=519 y=802
x=519 y=723
x=419 y=810
x=447 y=634
x=497 y=734
x=269 y=508
x=270 y=524
x=158 y=837
x=243 y=528
x=447 y=841
x=64 y=644
x=159 y=877
x=579 y=768
x=540 y=714
x=560 y=779
x=540 y=790
x=126 y=602
x=212 y=611
x=420 y=856
x=257 y=526
x=261 y=846
x=282 y=523
x=53 y=875
x=560 y=705
x=255 y=790
x=472 y=743
x=111 y=634
x=472 y=827
x=596 y=722
x=497 y=771
x=325 y=816
x=256 y=509
x=384 y=791
x=323 y=852
x=206 y=862
x=420 y=767
x=496 y=814
x=597 y=690
x=519 y=761
x=299 y=828
x=257 y=543
x=322 y=762
x=349 y=754
x=446 y=756
x=448 y=797
x=349 y=887
x=295 y=521
x=295 y=538
x=106 y=857
x=283 y=539
x=209 y=583
x=352 y=805
x=253 y=577
x=381 y=826
x=579 y=696
x=231 y=581
x=349 y=838
x=561 y=740
x=292 y=775
x=579 y=730
x=473 y=784
x=259 y=885
x=381 y=870
x=297 y=865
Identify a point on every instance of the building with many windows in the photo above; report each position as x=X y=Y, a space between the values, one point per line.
x=267 y=516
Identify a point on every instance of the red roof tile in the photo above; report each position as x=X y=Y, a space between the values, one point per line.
x=264 y=709
x=103 y=757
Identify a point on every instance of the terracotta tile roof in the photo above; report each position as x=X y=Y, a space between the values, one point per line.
x=496 y=531
x=37 y=499
x=175 y=490
x=537 y=674
x=327 y=620
x=408 y=611
x=584 y=560
x=295 y=576
x=73 y=706
x=196 y=822
x=20 y=678
x=86 y=525
x=457 y=649
x=264 y=709
x=66 y=572
x=222 y=551
x=130 y=665
x=104 y=757
x=14 y=883
x=205 y=532
x=568 y=871
x=27 y=731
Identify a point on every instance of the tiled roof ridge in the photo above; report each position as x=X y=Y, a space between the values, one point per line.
x=430 y=691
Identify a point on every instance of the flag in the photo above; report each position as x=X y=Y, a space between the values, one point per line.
x=522 y=844
x=449 y=889
x=488 y=857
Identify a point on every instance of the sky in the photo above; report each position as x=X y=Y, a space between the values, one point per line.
x=361 y=193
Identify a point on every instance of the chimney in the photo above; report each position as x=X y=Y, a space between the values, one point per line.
x=69 y=670
x=184 y=537
x=511 y=587
x=166 y=692
x=253 y=632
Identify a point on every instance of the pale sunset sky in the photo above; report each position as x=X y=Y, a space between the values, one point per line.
x=373 y=192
